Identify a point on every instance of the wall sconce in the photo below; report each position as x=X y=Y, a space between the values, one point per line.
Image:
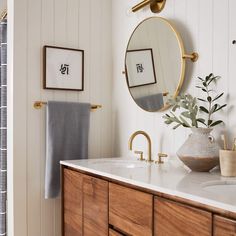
x=156 y=6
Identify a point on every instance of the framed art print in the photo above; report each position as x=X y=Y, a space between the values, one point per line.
x=140 y=68
x=63 y=68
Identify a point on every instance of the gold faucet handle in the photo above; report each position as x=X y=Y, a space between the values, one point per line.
x=141 y=155
x=160 y=155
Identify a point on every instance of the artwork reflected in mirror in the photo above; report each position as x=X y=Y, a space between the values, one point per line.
x=154 y=64
x=141 y=69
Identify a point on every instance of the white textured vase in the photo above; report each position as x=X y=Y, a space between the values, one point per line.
x=200 y=152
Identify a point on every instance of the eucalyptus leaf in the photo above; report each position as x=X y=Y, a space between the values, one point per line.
x=217 y=97
x=221 y=107
x=200 y=78
x=202 y=100
x=216 y=123
x=204 y=109
x=177 y=126
x=184 y=122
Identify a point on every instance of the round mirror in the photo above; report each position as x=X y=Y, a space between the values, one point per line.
x=154 y=64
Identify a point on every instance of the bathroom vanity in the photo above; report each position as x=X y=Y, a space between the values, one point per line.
x=124 y=197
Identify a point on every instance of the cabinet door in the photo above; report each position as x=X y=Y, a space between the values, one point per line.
x=130 y=210
x=224 y=226
x=72 y=203
x=171 y=218
x=95 y=206
x=114 y=233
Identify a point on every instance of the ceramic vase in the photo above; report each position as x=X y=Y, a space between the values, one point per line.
x=200 y=152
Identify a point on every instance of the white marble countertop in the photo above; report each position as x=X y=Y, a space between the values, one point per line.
x=169 y=178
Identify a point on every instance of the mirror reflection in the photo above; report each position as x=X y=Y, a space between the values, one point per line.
x=154 y=64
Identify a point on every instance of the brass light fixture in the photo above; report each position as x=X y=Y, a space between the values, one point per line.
x=156 y=6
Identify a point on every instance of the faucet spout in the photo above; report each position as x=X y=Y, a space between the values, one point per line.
x=149 y=143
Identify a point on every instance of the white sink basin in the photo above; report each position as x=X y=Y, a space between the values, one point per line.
x=221 y=187
x=129 y=164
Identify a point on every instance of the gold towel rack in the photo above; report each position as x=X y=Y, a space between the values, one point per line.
x=40 y=104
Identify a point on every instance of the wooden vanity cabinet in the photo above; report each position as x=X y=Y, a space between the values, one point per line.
x=112 y=232
x=171 y=218
x=72 y=203
x=93 y=206
x=130 y=211
x=224 y=226
x=85 y=204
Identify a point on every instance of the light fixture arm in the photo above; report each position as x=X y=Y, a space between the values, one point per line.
x=156 y=6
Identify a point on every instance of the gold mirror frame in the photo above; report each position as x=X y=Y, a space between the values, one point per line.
x=193 y=57
x=3 y=15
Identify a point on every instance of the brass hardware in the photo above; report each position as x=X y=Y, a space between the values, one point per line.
x=149 y=143
x=160 y=155
x=140 y=5
x=194 y=56
x=40 y=104
x=3 y=15
x=165 y=94
x=141 y=155
x=156 y=6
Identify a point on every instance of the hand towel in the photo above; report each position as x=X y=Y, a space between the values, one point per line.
x=151 y=103
x=66 y=139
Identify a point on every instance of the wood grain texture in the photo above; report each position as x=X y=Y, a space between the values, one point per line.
x=171 y=218
x=72 y=203
x=130 y=210
x=95 y=206
x=114 y=233
x=224 y=226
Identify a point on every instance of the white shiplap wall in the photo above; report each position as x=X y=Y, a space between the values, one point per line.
x=84 y=24
x=207 y=27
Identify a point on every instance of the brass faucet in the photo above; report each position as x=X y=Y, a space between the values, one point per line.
x=149 y=143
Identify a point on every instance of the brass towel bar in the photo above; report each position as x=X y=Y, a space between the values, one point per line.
x=40 y=104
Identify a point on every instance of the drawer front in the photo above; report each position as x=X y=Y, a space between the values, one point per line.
x=72 y=202
x=114 y=233
x=95 y=206
x=224 y=226
x=130 y=210
x=171 y=218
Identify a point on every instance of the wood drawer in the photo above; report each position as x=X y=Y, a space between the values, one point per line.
x=72 y=202
x=130 y=210
x=171 y=218
x=114 y=233
x=224 y=226
x=95 y=206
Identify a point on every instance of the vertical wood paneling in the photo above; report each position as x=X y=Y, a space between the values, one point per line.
x=207 y=27
x=67 y=23
x=33 y=155
x=106 y=91
x=47 y=38
x=232 y=68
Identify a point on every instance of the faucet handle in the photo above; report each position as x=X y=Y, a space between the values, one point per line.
x=160 y=155
x=141 y=155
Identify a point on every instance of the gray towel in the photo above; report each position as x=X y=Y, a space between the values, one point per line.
x=67 y=139
x=151 y=103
